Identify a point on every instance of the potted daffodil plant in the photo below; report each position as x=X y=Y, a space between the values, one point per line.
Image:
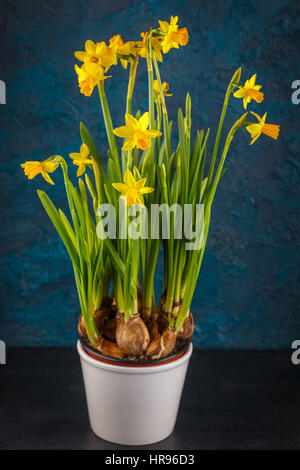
x=151 y=197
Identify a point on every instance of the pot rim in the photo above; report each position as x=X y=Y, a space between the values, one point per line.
x=135 y=368
x=131 y=363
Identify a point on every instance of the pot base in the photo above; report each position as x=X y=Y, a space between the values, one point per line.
x=133 y=405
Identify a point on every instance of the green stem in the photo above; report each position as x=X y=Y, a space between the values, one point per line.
x=97 y=297
x=164 y=108
x=129 y=159
x=228 y=141
x=118 y=293
x=158 y=113
x=233 y=83
x=109 y=126
x=150 y=80
x=148 y=278
x=67 y=182
x=131 y=83
x=179 y=273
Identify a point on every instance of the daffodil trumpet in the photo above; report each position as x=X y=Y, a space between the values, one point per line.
x=261 y=127
x=114 y=275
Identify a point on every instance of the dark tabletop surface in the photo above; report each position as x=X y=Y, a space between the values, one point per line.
x=231 y=400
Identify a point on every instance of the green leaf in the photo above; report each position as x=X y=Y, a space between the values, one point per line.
x=88 y=140
x=114 y=257
x=90 y=186
x=78 y=205
x=195 y=153
x=59 y=225
x=68 y=227
x=127 y=283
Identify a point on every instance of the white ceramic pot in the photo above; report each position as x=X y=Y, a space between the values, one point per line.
x=133 y=405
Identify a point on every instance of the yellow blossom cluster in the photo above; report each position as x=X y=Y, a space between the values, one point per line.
x=98 y=57
x=251 y=91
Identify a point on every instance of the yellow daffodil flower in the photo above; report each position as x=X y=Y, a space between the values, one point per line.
x=93 y=52
x=89 y=74
x=136 y=133
x=250 y=91
x=97 y=53
x=31 y=169
x=109 y=58
x=165 y=88
x=173 y=37
x=156 y=45
x=81 y=159
x=256 y=129
x=132 y=189
x=120 y=47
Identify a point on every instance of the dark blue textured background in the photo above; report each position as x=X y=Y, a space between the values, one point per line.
x=247 y=294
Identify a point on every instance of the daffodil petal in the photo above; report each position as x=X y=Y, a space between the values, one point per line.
x=100 y=48
x=255 y=138
x=75 y=156
x=129 y=144
x=256 y=115
x=129 y=179
x=81 y=170
x=140 y=200
x=163 y=26
x=158 y=55
x=139 y=184
x=50 y=167
x=80 y=55
x=84 y=151
x=90 y=47
x=239 y=93
x=245 y=101
x=253 y=129
x=252 y=81
x=121 y=187
x=263 y=119
x=82 y=161
x=47 y=177
x=146 y=190
x=144 y=121
x=131 y=121
x=122 y=131
x=152 y=133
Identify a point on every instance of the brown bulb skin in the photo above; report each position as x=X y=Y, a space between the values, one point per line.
x=162 y=322
x=132 y=336
x=187 y=329
x=108 y=348
x=106 y=322
x=162 y=345
x=81 y=328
